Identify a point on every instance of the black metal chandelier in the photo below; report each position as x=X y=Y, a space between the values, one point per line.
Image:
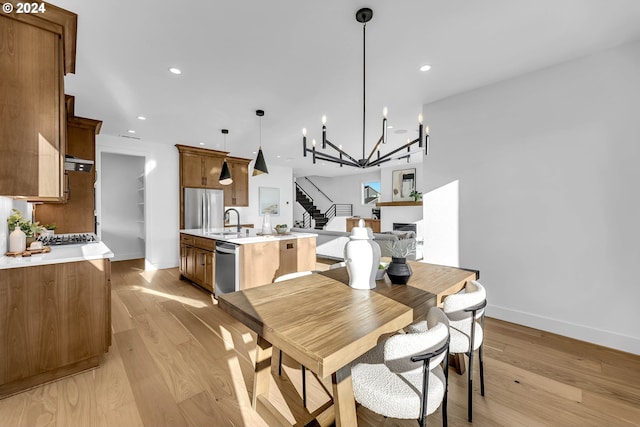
x=363 y=16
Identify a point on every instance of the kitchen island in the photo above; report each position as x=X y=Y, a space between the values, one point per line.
x=55 y=314
x=243 y=259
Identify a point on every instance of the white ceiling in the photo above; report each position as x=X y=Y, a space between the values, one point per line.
x=300 y=59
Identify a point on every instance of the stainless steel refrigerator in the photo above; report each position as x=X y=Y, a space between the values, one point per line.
x=204 y=209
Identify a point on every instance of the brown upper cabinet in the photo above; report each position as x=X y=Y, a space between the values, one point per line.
x=36 y=51
x=237 y=193
x=76 y=215
x=200 y=168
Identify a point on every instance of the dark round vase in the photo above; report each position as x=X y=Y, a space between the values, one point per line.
x=399 y=271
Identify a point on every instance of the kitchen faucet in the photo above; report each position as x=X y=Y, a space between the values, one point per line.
x=226 y=215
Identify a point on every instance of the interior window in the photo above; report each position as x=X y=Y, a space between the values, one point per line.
x=370 y=192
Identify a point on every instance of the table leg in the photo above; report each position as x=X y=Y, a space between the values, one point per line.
x=457 y=362
x=343 y=400
x=262 y=370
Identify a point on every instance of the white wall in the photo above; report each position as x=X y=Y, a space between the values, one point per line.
x=278 y=177
x=6 y=204
x=121 y=208
x=162 y=208
x=547 y=181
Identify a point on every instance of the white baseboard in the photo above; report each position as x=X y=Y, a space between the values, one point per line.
x=580 y=332
x=127 y=256
x=160 y=265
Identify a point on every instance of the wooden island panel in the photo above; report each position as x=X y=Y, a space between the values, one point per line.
x=262 y=262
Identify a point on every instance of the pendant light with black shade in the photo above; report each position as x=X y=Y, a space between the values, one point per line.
x=225 y=173
x=260 y=166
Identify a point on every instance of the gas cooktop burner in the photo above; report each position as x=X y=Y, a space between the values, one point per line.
x=68 y=239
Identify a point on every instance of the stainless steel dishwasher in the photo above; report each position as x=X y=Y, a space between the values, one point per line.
x=227 y=268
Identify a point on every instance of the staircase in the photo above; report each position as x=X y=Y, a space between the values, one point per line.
x=307 y=203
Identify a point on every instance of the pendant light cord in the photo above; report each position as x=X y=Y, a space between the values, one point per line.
x=364 y=88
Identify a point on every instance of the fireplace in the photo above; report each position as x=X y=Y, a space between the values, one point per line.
x=405 y=226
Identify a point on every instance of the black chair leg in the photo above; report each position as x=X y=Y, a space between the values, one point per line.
x=304 y=379
x=446 y=390
x=481 y=371
x=304 y=386
x=470 y=386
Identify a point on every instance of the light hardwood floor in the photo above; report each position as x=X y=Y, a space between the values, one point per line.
x=177 y=360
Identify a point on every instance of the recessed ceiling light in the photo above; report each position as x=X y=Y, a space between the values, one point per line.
x=202 y=143
x=425 y=68
x=400 y=131
x=142 y=118
x=278 y=157
x=254 y=152
x=175 y=70
x=131 y=131
x=389 y=127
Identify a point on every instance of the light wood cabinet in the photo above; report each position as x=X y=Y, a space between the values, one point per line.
x=262 y=262
x=76 y=215
x=197 y=255
x=374 y=224
x=55 y=320
x=237 y=193
x=191 y=170
x=36 y=51
x=200 y=168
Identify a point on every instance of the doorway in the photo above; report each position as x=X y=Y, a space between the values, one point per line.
x=122 y=223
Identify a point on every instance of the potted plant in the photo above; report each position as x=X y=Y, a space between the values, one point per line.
x=29 y=228
x=382 y=268
x=417 y=195
x=49 y=229
x=399 y=271
x=282 y=228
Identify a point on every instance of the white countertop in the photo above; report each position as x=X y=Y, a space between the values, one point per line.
x=60 y=254
x=246 y=235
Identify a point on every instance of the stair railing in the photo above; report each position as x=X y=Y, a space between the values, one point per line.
x=306 y=220
x=339 y=209
x=319 y=190
x=304 y=192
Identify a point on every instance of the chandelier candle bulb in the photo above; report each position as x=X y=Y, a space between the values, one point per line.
x=304 y=142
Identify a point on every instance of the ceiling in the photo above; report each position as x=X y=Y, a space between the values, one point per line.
x=298 y=60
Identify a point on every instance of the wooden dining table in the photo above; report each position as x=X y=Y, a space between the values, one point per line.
x=322 y=323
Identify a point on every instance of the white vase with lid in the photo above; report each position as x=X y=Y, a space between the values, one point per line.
x=362 y=257
x=17 y=240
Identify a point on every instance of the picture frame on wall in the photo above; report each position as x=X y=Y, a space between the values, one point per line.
x=403 y=183
x=269 y=200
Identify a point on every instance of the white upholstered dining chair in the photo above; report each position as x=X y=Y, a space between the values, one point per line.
x=401 y=377
x=465 y=311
